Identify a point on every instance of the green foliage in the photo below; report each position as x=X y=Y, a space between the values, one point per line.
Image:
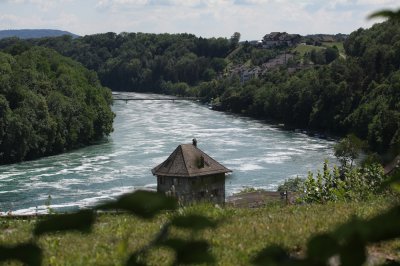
x=49 y=104
x=190 y=252
x=143 y=204
x=47 y=203
x=245 y=190
x=140 y=61
x=348 y=149
x=341 y=95
x=249 y=55
x=193 y=222
x=295 y=184
x=331 y=53
x=327 y=186
x=389 y=14
x=357 y=94
x=234 y=40
x=323 y=56
x=80 y=221
x=240 y=235
x=260 y=56
x=358 y=183
x=272 y=255
x=349 y=242
x=29 y=254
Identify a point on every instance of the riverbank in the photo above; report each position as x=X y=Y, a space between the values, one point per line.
x=145 y=133
x=260 y=198
x=240 y=235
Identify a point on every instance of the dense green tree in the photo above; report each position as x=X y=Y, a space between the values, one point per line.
x=51 y=104
x=139 y=61
x=358 y=93
x=348 y=149
x=331 y=53
x=234 y=40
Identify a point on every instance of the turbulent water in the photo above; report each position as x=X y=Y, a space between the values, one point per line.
x=145 y=133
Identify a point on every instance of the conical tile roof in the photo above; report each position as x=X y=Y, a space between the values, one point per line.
x=189 y=161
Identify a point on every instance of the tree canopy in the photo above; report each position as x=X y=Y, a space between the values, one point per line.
x=340 y=94
x=49 y=104
x=139 y=61
x=357 y=94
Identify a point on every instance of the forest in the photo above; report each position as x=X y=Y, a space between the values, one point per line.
x=356 y=92
x=139 y=61
x=49 y=104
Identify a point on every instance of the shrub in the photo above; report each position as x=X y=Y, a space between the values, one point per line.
x=295 y=184
x=356 y=183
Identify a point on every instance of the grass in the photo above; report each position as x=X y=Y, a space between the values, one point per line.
x=234 y=52
x=303 y=49
x=239 y=236
x=339 y=45
x=246 y=189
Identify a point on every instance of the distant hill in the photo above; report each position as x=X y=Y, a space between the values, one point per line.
x=34 y=33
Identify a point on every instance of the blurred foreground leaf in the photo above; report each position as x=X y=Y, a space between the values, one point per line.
x=392 y=263
x=322 y=247
x=272 y=255
x=382 y=227
x=353 y=252
x=393 y=15
x=144 y=204
x=80 y=221
x=134 y=261
x=29 y=254
x=193 y=222
x=393 y=181
x=190 y=252
x=137 y=258
x=385 y=226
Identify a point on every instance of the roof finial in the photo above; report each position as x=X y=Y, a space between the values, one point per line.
x=194 y=141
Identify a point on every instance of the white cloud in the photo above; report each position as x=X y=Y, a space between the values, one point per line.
x=45 y=5
x=63 y=21
x=253 y=18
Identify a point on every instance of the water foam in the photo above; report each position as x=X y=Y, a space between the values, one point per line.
x=145 y=134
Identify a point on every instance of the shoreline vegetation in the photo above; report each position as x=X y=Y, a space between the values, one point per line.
x=345 y=86
x=49 y=104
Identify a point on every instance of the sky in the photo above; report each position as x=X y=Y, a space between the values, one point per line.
x=206 y=18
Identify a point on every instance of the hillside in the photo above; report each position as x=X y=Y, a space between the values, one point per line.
x=34 y=33
x=329 y=87
x=349 y=89
x=142 y=61
x=239 y=236
x=49 y=104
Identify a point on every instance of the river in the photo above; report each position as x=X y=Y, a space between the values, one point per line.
x=145 y=133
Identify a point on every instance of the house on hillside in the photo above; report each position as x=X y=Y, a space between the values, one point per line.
x=255 y=43
x=280 y=60
x=191 y=175
x=248 y=74
x=278 y=39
